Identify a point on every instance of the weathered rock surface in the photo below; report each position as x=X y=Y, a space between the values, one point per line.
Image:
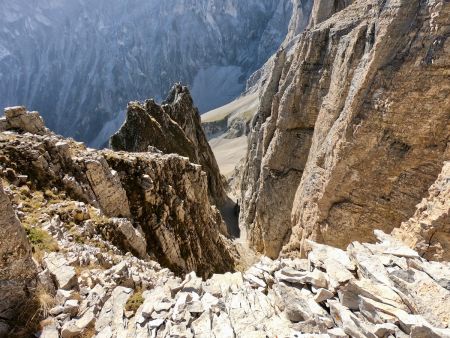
x=18 y=118
x=165 y=197
x=17 y=269
x=173 y=127
x=324 y=9
x=63 y=274
x=335 y=149
x=428 y=231
x=301 y=15
x=272 y=298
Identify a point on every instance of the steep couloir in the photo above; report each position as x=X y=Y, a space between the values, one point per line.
x=352 y=128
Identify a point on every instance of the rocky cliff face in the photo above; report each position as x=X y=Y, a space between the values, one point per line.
x=164 y=196
x=301 y=16
x=336 y=150
x=17 y=269
x=51 y=61
x=428 y=230
x=173 y=127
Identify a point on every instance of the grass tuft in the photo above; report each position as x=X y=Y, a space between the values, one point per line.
x=134 y=302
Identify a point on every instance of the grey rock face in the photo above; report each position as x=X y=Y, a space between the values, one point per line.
x=173 y=127
x=51 y=61
x=17 y=269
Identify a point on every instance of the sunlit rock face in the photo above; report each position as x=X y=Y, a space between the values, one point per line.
x=82 y=61
x=335 y=150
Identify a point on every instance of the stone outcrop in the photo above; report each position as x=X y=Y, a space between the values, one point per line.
x=165 y=197
x=17 y=268
x=173 y=127
x=17 y=118
x=336 y=149
x=428 y=231
x=60 y=270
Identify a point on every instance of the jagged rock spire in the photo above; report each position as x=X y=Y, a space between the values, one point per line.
x=173 y=127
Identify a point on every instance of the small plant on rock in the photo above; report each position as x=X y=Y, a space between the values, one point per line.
x=134 y=302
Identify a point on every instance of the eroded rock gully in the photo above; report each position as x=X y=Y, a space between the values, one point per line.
x=353 y=126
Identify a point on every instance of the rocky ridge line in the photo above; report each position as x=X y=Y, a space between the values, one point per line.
x=164 y=196
x=173 y=127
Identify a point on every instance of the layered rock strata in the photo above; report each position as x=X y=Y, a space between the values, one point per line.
x=173 y=127
x=336 y=150
x=164 y=196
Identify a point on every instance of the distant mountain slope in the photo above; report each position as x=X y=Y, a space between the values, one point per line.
x=81 y=61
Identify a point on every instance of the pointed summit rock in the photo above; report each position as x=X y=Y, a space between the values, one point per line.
x=173 y=127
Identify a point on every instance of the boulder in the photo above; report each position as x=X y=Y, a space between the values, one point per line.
x=19 y=118
x=63 y=274
x=107 y=187
x=111 y=316
x=132 y=237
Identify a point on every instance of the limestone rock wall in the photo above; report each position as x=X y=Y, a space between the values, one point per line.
x=17 y=268
x=301 y=13
x=165 y=196
x=324 y=9
x=173 y=127
x=428 y=231
x=352 y=128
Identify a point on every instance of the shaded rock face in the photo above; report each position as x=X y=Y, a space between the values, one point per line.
x=428 y=231
x=173 y=127
x=301 y=14
x=336 y=149
x=164 y=196
x=17 y=269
